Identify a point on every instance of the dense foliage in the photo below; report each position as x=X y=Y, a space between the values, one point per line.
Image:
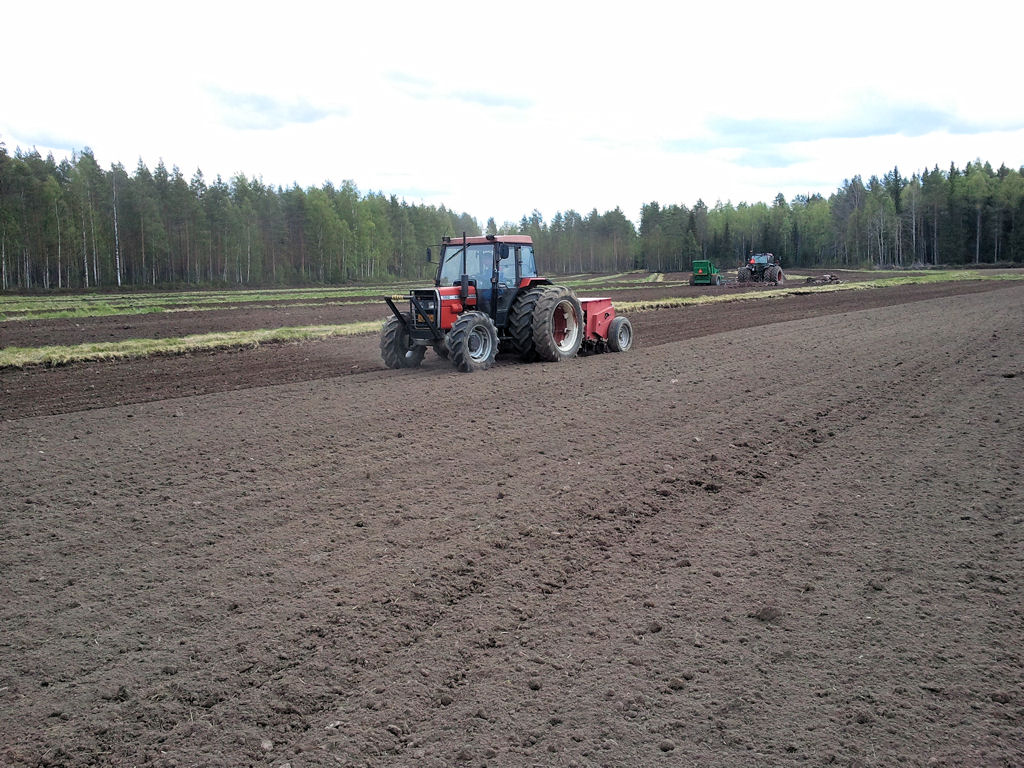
x=75 y=225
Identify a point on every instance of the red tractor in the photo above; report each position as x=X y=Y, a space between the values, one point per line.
x=487 y=295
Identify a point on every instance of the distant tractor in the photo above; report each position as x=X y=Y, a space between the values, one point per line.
x=761 y=268
x=488 y=296
x=705 y=273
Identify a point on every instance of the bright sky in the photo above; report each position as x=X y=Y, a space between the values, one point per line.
x=497 y=109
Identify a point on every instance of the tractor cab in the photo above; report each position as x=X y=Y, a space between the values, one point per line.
x=496 y=267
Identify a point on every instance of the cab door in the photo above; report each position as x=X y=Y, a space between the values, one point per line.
x=509 y=274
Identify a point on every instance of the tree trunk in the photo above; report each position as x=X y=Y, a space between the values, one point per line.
x=85 y=255
x=117 y=239
x=141 y=280
x=996 y=239
x=92 y=226
x=977 y=237
x=60 y=276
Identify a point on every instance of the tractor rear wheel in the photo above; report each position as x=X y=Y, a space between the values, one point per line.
x=743 y=274
x=557 y=324
x=620 y=334
x=780 y=278
x=520 y=324
x=472 y=342
x=396 y=348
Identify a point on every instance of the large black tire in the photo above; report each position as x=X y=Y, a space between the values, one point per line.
x=520 y=324
x=620 y=334
x=773 y=274
x=396 y=348
x=472 y=342
x=743 y=274
x=557 y=324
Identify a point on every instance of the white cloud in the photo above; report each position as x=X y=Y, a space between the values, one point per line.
x=499 y=110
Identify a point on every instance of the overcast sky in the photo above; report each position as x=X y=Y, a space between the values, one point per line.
x=497 y=109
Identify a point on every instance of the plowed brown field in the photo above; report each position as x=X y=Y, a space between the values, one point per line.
x=777 y=532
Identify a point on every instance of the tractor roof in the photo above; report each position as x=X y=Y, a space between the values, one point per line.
x=482 y=239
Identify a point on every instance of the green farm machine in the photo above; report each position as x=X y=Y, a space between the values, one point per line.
x=705 y=273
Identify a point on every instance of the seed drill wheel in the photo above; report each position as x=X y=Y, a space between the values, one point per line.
x=520 y=324
x=396 y=348
x=472 y=342
x=620 y=334
x=557 y=324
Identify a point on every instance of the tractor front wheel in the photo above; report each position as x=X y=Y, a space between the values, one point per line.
x=472 y=342
x=620 y=334
x=557 y=325
x=396 y=348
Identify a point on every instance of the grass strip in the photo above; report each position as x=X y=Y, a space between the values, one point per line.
x=109 y=311
x=95 y=305
x=19 y=357
x=774 y=293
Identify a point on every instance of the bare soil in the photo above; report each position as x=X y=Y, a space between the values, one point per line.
x=778 y=532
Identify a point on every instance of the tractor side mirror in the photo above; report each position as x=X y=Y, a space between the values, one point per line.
x=503 y=251
x=428 y=255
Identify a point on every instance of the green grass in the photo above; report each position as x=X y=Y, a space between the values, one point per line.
x=903 y=278
x=99 y=305
x=19 y=357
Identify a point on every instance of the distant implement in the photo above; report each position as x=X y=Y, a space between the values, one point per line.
x=705 y=273
x=487 y=296
x=761 y=268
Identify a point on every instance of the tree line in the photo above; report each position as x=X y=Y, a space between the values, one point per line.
x=74 y=225
x=955 y=217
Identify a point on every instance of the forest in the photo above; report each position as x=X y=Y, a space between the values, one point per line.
x=73 y=225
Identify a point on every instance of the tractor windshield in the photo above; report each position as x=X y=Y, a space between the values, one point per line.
x=478 y=263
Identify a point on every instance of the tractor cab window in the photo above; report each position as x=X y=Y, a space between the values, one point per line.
x=478 y=263
x=507 y=269
x=529 y=265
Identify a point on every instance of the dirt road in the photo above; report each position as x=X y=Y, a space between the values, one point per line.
x=802 y=547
